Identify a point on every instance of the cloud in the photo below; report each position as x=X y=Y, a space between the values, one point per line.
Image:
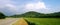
x=10 y=7
x=35 y=6
x=38 y=7
x=7 y=6
x=3 y=3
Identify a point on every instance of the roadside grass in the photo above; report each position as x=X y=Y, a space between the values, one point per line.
x=44 y=21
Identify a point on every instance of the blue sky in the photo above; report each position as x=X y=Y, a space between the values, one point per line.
x=11 y=7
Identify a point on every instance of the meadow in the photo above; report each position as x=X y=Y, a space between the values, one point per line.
x=44 y=21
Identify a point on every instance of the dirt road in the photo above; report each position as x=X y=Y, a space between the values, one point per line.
x=8 y=21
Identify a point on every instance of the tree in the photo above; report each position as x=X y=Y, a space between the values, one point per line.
x=2 y=16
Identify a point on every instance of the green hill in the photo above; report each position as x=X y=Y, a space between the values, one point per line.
x=39 y=15
x=31 y=14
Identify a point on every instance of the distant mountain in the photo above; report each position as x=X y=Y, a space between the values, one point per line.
x=28 y=14
x=56 y=14
x=31 y=14
x=38 y=15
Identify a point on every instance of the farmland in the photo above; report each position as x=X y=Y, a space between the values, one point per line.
x=44 y=21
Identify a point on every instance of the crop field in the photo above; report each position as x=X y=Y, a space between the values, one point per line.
x=44 y=21
x=32 y=21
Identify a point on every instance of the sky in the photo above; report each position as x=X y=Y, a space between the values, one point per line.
x=11 y=7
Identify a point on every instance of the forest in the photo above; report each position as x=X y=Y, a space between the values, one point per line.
x=33 y=14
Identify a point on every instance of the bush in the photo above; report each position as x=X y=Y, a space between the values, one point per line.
x=30 y=23
x=2 y=16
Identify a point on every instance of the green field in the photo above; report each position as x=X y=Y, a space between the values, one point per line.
x=44 y=21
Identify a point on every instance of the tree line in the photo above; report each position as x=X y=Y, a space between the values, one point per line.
x=33 y=14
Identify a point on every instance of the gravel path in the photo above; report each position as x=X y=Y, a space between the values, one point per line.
x=8 y=21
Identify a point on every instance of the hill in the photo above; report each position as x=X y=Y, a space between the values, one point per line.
x=39 y=15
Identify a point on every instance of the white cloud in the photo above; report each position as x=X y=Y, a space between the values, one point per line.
x=29 y=6
x=40 y=5
x=35 y=6
x=7 y=4
x=11 y=7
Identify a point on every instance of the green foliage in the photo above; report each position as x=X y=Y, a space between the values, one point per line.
x=29 y=23
x=38 y=15
x=2 y=16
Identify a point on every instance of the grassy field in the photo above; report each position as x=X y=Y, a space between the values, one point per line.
x=44 y=21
